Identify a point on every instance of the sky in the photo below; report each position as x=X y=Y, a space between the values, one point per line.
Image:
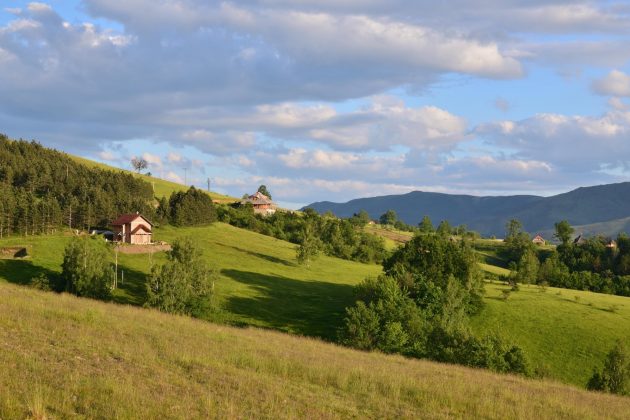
x=328 y=99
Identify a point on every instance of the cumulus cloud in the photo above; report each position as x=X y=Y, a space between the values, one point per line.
x=260 y=86
x=616 y=83
x=572 y=143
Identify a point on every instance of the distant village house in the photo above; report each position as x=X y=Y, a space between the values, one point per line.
x=538 y=240
x=261 y=203
x=132 y=229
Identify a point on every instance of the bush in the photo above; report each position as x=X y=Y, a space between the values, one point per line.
x=383 y=318
x=87 y=269
x=615 y=376
x=183 y=284
x=190 y=208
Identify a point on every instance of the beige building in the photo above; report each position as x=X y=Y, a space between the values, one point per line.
x=132 y=229
x=261 y=203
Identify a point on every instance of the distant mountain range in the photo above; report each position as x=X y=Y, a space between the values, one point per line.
x=602 y=209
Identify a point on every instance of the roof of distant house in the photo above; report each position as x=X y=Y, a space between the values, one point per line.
x=123 y=219
x=258 y=198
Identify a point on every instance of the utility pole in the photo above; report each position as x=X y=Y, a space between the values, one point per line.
x=208 y=184
x=186 y=176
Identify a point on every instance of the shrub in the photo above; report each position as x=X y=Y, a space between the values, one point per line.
x=87 y=269
x=615 y=376
x=183 y=284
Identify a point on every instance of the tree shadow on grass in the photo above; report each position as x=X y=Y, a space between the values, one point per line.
x=306 y=307
x=132 y=288
x=23 y=271
x=266 y=257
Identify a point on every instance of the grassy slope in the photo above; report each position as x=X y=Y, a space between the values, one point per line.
x=261 y=285
x=566 y=332
x=162 y=188
x=260 y=282
x=68 y=357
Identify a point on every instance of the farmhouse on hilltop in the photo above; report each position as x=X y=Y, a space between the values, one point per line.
x=261 y=203
x=132 y=229
x=538 y=240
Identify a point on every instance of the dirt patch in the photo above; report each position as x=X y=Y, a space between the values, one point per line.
x=13 y=252
x=142 y=249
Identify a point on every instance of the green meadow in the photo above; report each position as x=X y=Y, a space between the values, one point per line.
x=565 y=333
x=67 y=357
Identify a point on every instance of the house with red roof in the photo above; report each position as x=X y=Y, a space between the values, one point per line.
x=261 y=203
x=132 y=229
x=538 y=240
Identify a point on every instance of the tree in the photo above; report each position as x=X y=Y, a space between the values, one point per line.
x=190 y=208
x=139 y=164
x=263 y=190
x=309 y=246
x=426 y=226
x=184 y=283
x=513 y=229
x=444 y=228
x=388 y=218
x=527 y=269
x=87 y=269
x=360 y=219
x=517 y=242
x=439 y=274
x=615 y=376
x=564 y=231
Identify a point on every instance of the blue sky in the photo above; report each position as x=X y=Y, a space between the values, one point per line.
x=328 y=100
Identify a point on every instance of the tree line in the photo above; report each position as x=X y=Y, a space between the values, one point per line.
x=311 y=232
x=595 y=264
x=42 y=190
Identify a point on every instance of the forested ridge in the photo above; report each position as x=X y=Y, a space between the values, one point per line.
x=42 y=190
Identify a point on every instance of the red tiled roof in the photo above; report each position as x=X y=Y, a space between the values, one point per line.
x=123 y=219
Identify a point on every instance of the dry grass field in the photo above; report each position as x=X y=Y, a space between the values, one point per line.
x=65 y=357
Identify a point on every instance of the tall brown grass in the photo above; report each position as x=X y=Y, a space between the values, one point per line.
x=61 y=357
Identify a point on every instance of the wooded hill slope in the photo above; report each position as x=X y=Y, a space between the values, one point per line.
x=66 y=357
x=488 y=215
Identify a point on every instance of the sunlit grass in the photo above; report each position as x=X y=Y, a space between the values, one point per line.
x=68 y=357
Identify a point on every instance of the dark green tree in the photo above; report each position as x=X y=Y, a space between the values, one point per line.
x=388 y=218
x=360 y=219
x=87 y=269
x=425 y=225
x=263 y=190
x=444 y=228
x=564 y=232
x=184 y=284
x=190 y=208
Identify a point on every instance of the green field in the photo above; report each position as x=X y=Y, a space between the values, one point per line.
x=566 y=333
x=66 y=357
x=261 y=285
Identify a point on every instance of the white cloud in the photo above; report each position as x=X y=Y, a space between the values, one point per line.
x=154 y=161
x=107 y=156
x=616 y=83
x=571 y=143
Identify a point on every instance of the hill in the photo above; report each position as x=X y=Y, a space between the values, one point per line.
x=161 y=187
x=70 y=357
x=488 y=215
x=261 y=285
